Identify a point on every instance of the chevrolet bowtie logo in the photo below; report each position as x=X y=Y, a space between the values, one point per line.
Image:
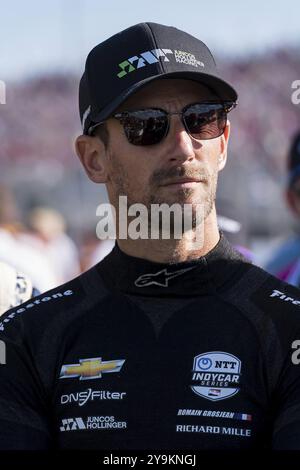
x=90 y=368
x=161 y=278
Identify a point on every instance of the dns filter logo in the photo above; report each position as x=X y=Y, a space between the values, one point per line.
x=2 y=92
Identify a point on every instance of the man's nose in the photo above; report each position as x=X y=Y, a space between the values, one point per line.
x=181 y=144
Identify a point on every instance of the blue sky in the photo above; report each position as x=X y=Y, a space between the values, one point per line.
x=41 y=36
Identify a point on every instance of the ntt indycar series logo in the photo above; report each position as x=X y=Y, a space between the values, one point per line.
x=216 y=375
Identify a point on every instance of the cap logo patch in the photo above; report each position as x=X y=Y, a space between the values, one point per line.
x=153 y=56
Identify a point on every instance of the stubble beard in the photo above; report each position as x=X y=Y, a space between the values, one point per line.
x=200 y=209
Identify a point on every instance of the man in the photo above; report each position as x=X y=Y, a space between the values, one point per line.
x=17 y=253
x=166 y=343
x=284 y=262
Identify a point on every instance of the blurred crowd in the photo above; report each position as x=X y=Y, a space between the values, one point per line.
x=37 y=254
x=41 y=115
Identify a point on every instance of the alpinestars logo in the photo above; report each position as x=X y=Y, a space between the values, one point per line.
x=161 y=278
x=153 y=56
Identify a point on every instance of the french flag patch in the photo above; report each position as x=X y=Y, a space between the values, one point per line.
x=243 y=417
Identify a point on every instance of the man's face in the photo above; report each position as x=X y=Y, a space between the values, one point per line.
x=148 y=174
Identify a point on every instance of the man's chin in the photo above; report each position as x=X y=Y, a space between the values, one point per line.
x=181 y=198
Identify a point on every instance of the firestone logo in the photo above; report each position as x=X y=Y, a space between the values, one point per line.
x=33 y=304
x=151 y=57
x=284 y=297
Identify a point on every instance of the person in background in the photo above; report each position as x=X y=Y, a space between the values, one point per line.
x=230 y=227
x=93 y=250
x=285 y=261
x=13 y=249
x=47 y=234
x=15 y=288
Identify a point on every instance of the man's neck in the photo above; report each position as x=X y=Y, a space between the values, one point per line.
x=175 y=251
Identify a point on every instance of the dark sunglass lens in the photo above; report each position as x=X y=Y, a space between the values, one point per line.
x=205 y=121
x=145 y=127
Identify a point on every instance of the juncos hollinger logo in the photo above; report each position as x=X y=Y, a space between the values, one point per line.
x=161 y=278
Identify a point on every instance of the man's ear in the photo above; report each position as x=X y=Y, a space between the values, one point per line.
x=224 y=144
x=91 y=152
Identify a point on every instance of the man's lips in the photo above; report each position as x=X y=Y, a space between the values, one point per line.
x=183 y=182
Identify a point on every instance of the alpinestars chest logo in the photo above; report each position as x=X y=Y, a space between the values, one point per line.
x=161 y=278
x=216 y=375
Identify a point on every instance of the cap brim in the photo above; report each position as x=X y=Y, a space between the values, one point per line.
x=225 y=91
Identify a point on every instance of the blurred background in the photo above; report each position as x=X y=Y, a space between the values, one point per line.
x=48 y=205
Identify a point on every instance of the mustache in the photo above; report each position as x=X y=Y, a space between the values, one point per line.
x=160 y=176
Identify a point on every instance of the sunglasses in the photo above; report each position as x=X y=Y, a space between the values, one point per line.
x=149 y=126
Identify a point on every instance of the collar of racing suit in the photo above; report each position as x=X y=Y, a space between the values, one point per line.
x=131 y=275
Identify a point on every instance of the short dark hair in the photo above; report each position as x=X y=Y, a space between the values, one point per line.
x=101 y=132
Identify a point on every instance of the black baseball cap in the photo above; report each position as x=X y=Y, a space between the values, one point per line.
x=127 y=61
x=294 y=160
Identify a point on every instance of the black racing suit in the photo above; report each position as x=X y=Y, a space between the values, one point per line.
x=134 y=354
